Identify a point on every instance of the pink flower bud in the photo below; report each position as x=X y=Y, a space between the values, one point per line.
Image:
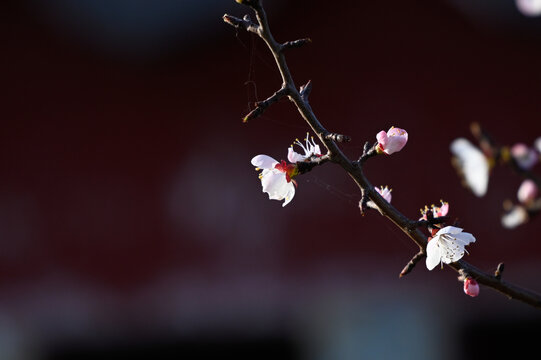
x=391 y=141
x=525 y=157
x=385 y=193
x=527 y=191
x=471 y=287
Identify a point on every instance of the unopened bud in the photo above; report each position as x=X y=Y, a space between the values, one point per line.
x=527 y=191
x=471 y=287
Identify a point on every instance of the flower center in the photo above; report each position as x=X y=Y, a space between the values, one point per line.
x=290 y=170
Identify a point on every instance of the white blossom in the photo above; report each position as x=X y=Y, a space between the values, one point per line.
x=276 y=178
x=516 y=216
x=447 y=246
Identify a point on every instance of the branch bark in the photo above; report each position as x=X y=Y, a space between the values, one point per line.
x=354 y=168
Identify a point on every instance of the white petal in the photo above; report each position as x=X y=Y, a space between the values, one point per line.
x=473 y=165
x=433 y=257
x=517 y=216
x=264 y=162
x=289 y=195
x=294 y=156
x=449 y=230
x=272 y=180
x=465 y=238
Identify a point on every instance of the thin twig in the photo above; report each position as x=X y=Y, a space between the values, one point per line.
x=295 y=43
x=411 y=264
x=261 y=106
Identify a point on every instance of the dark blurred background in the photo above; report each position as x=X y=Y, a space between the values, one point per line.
x=132 y=223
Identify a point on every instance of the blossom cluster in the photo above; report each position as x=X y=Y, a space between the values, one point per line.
x=527 y=194
x=474 y=166
x=445 y=245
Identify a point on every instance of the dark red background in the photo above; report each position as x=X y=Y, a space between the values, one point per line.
x=129 y=208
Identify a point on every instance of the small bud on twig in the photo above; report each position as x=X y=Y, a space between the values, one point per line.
x=261 y=106
x=499 y=271
x=295 y=43
x=337 y=137
x=305 y=90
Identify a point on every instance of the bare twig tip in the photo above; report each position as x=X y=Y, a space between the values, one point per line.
x=411 y=264
x=499 y=271
x=296 y=43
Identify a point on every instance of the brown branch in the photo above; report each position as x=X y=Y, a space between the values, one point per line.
x=244 y=23
x=411 y=264
x=295 y=43
x=305 y=90
x=355 y=170
x=261 y=106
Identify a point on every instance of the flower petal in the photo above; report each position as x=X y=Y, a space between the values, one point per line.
x=290 y=194
x=433 y=257
x=473 y=165
x=273 y=185
x=444 y=209
x=449 y=230
x=293 y=156
x=263 y=162
x=382 y=138
x=515 y=217
x=465 y=238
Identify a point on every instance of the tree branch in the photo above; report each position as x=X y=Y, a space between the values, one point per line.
x=261 y=106
x=354 y=168
x=411 y=264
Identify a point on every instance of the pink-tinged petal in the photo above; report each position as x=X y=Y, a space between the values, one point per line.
x=395 y=143
x=433 y=256
x=444 y=209
x=264 y=162
x=527 y=191
x=398 y=132
x=391 y=141
x=385 y=193
x=294 y=156
x=471 y=287
x=382 y=137
x=525 y=157
x=529 y=7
